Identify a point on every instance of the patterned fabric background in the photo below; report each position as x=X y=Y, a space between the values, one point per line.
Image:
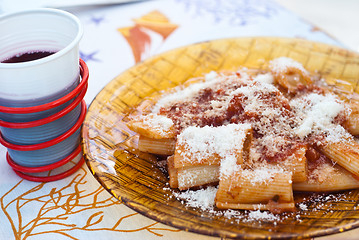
x=117 y=37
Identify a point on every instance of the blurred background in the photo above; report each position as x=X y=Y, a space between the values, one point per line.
x=338 y=18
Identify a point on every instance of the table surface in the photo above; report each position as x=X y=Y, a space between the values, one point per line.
x=32 y=210
x=337 y=18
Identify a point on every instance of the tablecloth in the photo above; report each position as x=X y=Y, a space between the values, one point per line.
x=115 y=38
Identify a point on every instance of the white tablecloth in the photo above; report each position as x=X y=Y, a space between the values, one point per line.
x=78 y=207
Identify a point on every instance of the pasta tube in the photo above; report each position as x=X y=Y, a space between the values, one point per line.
x=192 y=176
x=165 y=146
x=152 y=126
x=289 y=73
x=345 y=153
x=172 y=172
x=253 y=187
x=328 y=178
x=297 y=165
x=209 y=145
x=351 y=124
x=197 y=176
x=271 y=206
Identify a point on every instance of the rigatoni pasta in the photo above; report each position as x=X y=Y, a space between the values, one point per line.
x=257 y=134
x=269 y=185
x=326 y=177
x=296 y=164
x=162 y=146
x=196 y=176
x=352 y=122
x=209 y=145
x=345 y=153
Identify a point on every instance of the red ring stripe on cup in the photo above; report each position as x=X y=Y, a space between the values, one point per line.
x=52 y=142
x=85 y=75
x=54 y=177
x=48 y=119
x=45 y=168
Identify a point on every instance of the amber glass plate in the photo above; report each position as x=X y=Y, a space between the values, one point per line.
x=134 y=178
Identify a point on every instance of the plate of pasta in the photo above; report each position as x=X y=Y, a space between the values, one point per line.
x=239 y=138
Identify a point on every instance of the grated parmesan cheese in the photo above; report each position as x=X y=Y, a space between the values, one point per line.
x=159 y=123
x=202 y=143
x=315 y=114
x=253 y=93
x=323 y=172
x=211 y=119
x=261 y=175
x=211 y=76
x=258 y=215
x=264 y=78
x=203 y=198
x=185 y=94
x=282 y=64
x=228 y=166
x=303 y=207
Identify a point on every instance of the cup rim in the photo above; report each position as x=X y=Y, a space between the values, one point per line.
x=57 y=54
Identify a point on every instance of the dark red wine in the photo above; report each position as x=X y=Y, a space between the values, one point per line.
x=29 y=56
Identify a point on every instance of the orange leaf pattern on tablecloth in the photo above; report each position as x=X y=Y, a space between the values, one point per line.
x=55 y=212
x=138 y=37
